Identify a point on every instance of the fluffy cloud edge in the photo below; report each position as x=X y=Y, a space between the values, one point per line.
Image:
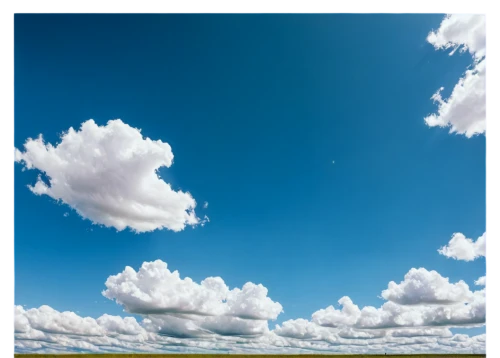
x=109 y=175
x=464 y=111
x=462 y=248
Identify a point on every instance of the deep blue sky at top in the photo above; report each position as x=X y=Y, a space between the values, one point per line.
x=256 y=108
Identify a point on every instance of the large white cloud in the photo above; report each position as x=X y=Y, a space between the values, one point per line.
x=108 y=174
x=154 y=289
x=426 y=287
x=423 y=299
x=393 y=315
x=465 y=109
x=462 y=248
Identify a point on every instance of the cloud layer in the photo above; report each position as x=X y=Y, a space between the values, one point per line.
x=180 y=315
x=423 y=299
x=465 y=110
x=462 y=248
x=108 y=174
x=43 y=330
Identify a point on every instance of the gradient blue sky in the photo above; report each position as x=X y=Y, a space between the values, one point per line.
x=256 y=108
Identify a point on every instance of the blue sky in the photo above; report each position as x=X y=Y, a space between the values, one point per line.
x=255 y=108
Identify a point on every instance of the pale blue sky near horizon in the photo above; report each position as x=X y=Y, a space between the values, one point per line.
x=256 y=108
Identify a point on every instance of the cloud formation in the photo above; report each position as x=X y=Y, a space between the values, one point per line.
x=108 y=334
x=481 y=281
x=423 y=299
x=465 y=109
x=154 y=289
x=180 y=315
x=180 y=307
x=391 y=315
x=462 y=248
x=331 y=317
x=461 y=32
x=426 y=287
x=108 y=174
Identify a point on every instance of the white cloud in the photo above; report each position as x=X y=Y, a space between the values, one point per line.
x=465 y=110
x=467 y=32
x=462 y=248
x=122 y=335
x=393 y=315
x=423 y=299
x=481 y=281
x=426 y=287
x=350 y=333
x=108 y=174
x=205 y=205
x=119 y=325
x=331 y=317
x=180 y=307
x=46 y=319
x=182 y=316
x=299 y=328
x=195 y=326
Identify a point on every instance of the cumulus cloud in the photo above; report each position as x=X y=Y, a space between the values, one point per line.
x=423 y=299
x=180 y=315
x=462 y=248
x=465 y=109
x=108 y=174
x=299 y=328
x=393 y=315
x=464 y=32
x=119 y=325
x=426 y=287
x=46 y=319
x=481 y=281
x=191 y=326
x=180 y=307
x=154 y=289
x=331 y=317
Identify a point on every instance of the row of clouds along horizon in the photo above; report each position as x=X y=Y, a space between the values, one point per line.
x=180 y=315
x=109 y=175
